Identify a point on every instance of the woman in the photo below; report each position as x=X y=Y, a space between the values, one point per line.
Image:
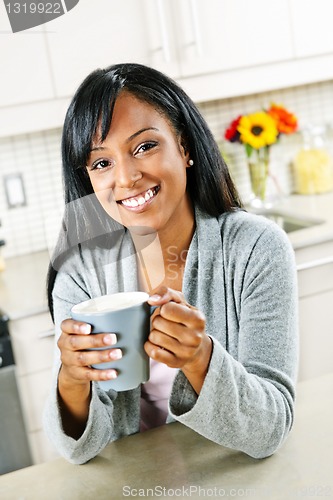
x=144 y=177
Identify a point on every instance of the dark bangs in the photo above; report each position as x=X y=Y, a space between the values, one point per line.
x=91 y=109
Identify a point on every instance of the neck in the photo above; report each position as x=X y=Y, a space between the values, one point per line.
x=164 y=253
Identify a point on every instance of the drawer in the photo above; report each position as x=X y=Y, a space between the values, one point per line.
x=316 y=335
x=34 y=390
x=33 y=343
x=315 y=276
x=314 y=252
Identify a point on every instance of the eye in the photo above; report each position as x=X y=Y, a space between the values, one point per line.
x=101 y=164
x=146 y=146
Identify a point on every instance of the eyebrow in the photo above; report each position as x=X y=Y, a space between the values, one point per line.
x=129 y=139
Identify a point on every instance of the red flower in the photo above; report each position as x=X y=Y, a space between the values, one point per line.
x=232 y=134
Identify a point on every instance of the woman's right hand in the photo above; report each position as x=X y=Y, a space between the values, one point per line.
x=76 y=374
x=74 y=344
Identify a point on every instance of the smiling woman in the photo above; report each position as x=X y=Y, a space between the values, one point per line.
x=148 y=194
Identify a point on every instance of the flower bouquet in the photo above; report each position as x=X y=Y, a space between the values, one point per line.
x=258 y=132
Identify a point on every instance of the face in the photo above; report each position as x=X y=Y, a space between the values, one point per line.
x=139 y=172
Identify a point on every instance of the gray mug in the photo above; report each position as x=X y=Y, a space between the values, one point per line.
x=127 y=314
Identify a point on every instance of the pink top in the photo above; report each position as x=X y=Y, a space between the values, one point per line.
x=155 y=395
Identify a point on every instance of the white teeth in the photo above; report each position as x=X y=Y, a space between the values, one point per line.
x=141 y=200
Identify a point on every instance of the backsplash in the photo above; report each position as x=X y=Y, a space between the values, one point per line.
x=36 y=157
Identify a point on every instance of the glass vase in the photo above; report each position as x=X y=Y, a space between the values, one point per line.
x=258 y=164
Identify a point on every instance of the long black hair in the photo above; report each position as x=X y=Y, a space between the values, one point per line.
x=208 y=181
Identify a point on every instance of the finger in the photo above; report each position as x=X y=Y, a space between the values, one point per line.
x=162 y=355
x=183 y=313
x=98 y=340
x=87 y=358
x=163 y=340
x=164 y=295
x=70 y=326
x=92 y=374
x=75 y=342
x=184 y=336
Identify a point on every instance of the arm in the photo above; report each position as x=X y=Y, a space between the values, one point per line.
x=246 y=401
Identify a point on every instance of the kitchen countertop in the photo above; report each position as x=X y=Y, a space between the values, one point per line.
x=310 y=206
x=179 y=462
x=22 y=283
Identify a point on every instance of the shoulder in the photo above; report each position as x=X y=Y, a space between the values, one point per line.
x=243 y=229
x=91 y=253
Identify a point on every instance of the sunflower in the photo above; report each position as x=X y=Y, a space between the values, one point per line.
x=286 y=122
x=258 y=130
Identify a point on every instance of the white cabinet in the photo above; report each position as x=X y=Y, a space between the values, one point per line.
x=220 y=35
x=25 y=70
x=315 y=276
x=312 y=27
x=95 y=35
x=33 y=346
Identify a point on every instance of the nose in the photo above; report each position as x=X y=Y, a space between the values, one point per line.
x=126 y=174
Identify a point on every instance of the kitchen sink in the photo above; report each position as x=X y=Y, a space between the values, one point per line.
x=287 y=221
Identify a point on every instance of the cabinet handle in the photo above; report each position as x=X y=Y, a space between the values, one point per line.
x=164 y=32
x=196 y=27
x=315 y=263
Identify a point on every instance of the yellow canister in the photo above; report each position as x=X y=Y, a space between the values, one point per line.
x=313 y=165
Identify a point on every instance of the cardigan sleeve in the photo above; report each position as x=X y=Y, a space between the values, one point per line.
x=247 y=400
x=68 y=291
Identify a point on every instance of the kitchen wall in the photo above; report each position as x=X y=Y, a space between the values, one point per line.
x=36 y=157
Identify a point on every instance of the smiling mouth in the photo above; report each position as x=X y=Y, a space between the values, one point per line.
x=141 y=199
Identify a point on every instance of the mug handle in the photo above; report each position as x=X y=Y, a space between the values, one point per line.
x=152 y=309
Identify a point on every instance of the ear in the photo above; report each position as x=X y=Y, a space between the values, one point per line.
x=184 y=149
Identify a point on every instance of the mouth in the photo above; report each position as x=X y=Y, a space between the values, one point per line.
x=141 y=200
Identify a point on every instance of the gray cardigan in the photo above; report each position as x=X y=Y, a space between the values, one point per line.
x=240 y=272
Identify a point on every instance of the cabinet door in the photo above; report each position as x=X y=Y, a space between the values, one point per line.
x=316 y=335
x=217 y=35
x=25 y=71
x=312 y=27
x=33 y=343
x=96 y=35
x=315 y=280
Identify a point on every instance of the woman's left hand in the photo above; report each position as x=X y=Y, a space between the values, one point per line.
x=178 y=336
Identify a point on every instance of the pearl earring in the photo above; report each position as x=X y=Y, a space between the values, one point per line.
x=191 y=163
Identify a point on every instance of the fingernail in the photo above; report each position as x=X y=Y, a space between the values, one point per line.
x=155 y=297
x=110 y=339
x=85 y=328
x=116 y=354
x=111 y=374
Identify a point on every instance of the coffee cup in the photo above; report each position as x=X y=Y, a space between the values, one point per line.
x=127 y=314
